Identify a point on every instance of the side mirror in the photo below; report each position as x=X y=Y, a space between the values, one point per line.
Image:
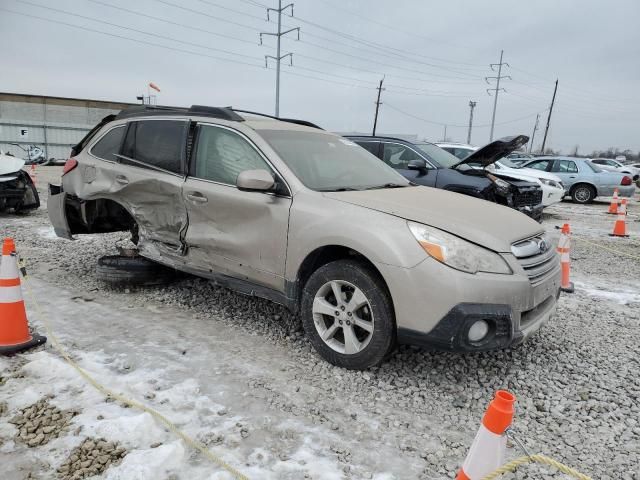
x=419 y=164
x=255 y=181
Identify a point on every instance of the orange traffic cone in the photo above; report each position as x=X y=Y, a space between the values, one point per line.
x=613 y=207
x=14 y=328
x=620 y=227
x=564 y=247
x=487 y=452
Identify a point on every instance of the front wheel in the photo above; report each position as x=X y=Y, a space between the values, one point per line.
x=347 y=314
x=583 y=194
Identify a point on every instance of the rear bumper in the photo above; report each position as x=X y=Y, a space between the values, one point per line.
x=623 y=191
x=56 y=204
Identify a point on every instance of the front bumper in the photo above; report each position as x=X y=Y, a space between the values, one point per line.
x=436 y=305
x=551 y=195
x=534 y=211
x=17 y=191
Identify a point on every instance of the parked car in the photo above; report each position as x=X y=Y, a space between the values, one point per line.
x=553 y=190
x=427 y=164
x=17 y=191
x=615 y=166
x=551 y=185
x=584 y=180
x=460 y=150
x=285 y=211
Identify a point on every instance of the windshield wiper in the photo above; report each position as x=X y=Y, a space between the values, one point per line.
x=387 y=185
x=338 y=189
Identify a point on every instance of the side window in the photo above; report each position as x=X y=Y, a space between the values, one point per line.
x=566 y=166
x=222 y=154
x=109 y=145
x=159 y=143
x=371 y=147
x=541 y=165
x=398 y=156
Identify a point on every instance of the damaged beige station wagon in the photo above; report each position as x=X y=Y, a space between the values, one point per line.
x=281 y=209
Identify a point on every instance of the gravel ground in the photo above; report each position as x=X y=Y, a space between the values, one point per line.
x=576 y=382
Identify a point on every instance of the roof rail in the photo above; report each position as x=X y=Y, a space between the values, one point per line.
x=288 y=120
x=225 y=113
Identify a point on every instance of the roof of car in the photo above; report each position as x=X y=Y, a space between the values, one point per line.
x=456 y=145
x=223 y=113
x=381 y=137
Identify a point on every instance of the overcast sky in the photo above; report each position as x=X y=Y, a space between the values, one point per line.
x=435 y=55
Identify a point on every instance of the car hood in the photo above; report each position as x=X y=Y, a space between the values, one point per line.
x=485 y=223
x=495 y=150
x=9 y=164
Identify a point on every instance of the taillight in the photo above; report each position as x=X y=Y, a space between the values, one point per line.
x=69 y=165
x=626 y=180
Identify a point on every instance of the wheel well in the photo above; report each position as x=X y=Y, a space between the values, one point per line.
x=99 y=216
x=330 y=253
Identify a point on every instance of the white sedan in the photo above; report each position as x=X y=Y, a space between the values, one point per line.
x=552 y=188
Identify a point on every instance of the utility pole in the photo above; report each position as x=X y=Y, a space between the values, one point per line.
x=472 y=105
x=378 y=103
x=533 y=135
x=278 y=56
x=546 y=130
x=444 y=139
x=497 y=89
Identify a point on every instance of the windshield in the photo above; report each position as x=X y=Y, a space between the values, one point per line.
x=438 y=155
x=327 y=162
x=508 y=163
x=594 y=167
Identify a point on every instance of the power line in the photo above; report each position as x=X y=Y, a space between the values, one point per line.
x=453 y=124
x=180 y=50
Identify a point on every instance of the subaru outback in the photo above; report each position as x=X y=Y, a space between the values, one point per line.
x=284 y=210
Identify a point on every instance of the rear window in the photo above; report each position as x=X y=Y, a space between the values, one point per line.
x=158 y=143
x=109 y=145
x=593 y=167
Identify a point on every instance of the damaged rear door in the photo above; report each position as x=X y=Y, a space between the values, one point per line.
x=148 y=180
x=140 y=166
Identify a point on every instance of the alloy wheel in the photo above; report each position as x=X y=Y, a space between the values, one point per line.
x=342 y=316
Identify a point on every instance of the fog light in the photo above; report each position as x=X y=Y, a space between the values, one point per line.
x=478 y=331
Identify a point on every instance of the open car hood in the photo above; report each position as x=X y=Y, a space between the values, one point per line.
x=9 y=164
x=495 y=150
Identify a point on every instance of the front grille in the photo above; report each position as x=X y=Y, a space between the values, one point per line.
x=538 y=265
x=528 y=197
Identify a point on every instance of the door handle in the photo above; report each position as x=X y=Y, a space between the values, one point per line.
x=197 y=197
x=122 y=180
x=572 y=176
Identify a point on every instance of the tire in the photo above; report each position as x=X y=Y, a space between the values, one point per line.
x=352 y=278
x=583 y=193
x=123 y=270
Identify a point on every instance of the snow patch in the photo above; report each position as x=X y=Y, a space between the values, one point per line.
x=151 y=463
x=48 y=233
x=621 y=296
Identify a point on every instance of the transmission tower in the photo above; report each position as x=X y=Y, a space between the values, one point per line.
x=278 y=56
x=497 y=89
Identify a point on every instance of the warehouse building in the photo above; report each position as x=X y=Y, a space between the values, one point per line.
x=47 y=127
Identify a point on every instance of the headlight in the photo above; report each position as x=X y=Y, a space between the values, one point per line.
x=551 y=183
x=456 y=252
x=502 y=186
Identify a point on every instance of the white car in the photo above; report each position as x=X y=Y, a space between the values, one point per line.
x=615 y=166
x=17 y=191
x=552 y=188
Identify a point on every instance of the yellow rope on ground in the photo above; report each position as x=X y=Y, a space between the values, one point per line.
x=513 y=465
x=617 y=252
x=132 y=403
